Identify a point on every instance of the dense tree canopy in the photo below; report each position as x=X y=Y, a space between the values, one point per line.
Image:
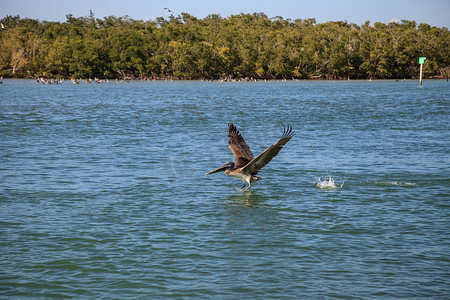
x=245 y=45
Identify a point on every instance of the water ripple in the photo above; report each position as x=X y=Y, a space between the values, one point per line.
x=103 y=193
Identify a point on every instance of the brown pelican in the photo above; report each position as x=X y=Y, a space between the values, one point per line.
x=246 y=166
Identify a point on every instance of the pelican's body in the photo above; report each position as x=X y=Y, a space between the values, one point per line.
x=246 y=167
x=245 y=177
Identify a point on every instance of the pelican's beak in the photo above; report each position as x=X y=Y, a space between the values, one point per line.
x=222 y=168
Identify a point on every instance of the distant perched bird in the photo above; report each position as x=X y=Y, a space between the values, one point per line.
x=3 y=26
x=246 y=166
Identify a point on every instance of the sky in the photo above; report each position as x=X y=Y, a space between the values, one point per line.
x=432 y=12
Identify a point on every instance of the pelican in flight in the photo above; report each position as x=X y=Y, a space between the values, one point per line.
x=246 y=166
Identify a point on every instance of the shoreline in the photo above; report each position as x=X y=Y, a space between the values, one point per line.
x=246 y=79
x=52 y=81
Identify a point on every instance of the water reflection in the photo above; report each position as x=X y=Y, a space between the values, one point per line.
x=251 y=198
x=248 y=213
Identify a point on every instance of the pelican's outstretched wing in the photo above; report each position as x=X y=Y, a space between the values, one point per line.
x=266 y=156
x=238 y=146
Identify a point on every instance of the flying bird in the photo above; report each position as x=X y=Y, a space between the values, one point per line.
x=246 y=167
x=168 y=10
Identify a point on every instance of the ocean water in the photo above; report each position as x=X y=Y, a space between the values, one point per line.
x=103 y=192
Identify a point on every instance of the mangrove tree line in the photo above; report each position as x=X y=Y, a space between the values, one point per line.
x=245 y=45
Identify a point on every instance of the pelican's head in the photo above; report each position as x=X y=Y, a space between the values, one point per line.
x=227 y=166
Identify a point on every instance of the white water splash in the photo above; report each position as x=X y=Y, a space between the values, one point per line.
x=329 y=184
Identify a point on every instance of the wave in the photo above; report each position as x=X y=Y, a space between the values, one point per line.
x=394 y=183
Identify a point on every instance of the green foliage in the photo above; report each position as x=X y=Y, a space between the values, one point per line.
x=245 y=45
